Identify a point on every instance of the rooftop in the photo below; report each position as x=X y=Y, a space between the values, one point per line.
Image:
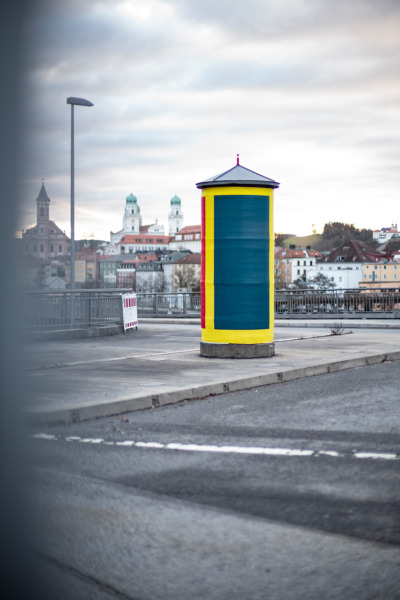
x=238 y=176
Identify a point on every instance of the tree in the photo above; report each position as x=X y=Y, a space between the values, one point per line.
x=280 y=281
x=185 y=277
x=281 y=237
x=335 y=234
x=301 y=284
x=322 y=282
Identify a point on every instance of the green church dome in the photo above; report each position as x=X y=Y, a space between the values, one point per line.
x=131 y=199
x=175 y=201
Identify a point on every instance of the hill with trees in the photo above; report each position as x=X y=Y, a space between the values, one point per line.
x=334 y=234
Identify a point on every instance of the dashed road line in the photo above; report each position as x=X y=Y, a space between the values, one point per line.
x=250 y=450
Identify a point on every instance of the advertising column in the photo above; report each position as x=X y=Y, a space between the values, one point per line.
x=237 y=267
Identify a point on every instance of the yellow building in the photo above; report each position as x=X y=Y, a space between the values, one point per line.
x=380 y=276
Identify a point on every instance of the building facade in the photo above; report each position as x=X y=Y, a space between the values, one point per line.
x=292 y=264
x=175 y=217
x=386 y=233
x=380 y=276
x=45 y=240
x=187 y=238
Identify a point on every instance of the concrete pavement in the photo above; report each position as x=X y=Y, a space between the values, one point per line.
x=70 y=380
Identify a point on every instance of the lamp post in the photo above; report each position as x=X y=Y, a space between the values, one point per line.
x=79 y=102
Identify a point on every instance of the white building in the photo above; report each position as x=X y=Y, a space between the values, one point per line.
x=175 y=217
x=134 y=236
x=187 y=238
x=386 y=233
x=344 y=275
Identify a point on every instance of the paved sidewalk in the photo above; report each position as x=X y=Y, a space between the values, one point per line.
x=77 y=379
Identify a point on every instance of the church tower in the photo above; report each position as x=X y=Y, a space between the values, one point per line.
x=175 y=217
x=42 y=208
x=132 y=217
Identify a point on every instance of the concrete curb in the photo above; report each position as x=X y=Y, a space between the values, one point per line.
x=202 y=391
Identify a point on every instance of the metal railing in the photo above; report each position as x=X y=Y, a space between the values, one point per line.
x=181 y=304
x=353 y=303
x=52 y=310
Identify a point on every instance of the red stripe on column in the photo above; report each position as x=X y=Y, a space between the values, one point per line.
x=203 y=263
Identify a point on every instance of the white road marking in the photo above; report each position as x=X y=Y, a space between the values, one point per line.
x=375 y=455
x=254 y=450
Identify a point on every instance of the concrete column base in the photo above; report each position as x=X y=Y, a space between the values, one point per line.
x=212 y=350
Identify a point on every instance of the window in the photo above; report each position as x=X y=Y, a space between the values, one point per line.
x=310 y=263
x=298 y=263
x=51 y=248
x=41 y=247
x=60 y=249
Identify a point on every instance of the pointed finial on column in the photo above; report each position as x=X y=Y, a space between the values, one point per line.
x=237 y=159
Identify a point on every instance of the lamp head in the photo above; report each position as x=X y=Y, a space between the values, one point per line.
x=79 y=101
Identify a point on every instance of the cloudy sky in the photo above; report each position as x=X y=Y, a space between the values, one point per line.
x=306 y=91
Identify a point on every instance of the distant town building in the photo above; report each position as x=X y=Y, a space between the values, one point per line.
x=386 y=233
x=143 y=242
x=353 y=251
x=344 y=265
x=134 y=236
x=380 y=276
x=294 y=263
x=187 y=238
x=175 y=217
x=45 y=240
x=345 y=276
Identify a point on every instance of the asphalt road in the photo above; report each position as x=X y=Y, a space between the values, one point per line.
x=290 y=491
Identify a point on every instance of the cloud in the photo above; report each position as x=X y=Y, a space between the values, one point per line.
x=306 y=91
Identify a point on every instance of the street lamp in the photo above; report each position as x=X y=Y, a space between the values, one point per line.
x=79 y=102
